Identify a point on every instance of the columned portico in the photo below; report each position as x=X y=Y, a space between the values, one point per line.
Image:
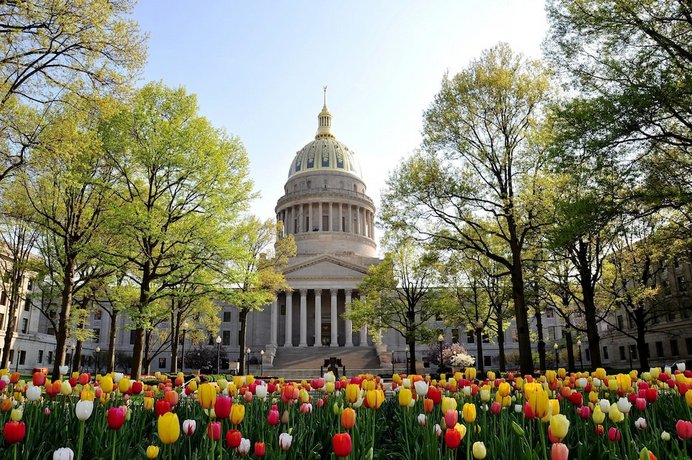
x=289 y=320
x=334 y=316
x=318 y=318
x=349 y=324
x=303 y=317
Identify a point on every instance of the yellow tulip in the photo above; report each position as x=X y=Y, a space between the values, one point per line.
x=600 y=373
x=192 y=385
x=86 y=395
x=249 y=379
x=598 y=415
x=504 y=389
x=559 y=425
x=106 y=384
x=329 y=387
x=562 y=373
x=470 y=373
x=448 y=403
x=148 y=403
x=16 y=415
x=688 y=398
x=479 y=451
x=624 y=382
x=374 y=398
x=124 y=384
x=554 y=406
x=491 y=375
x=461 y=429
x=152 y=452
x=405 y=397
x=206 y=394
x=469 y=412
x=615 y=415
x=169 y=428
x=237 y=413
x=550 y=376
x=352 y=392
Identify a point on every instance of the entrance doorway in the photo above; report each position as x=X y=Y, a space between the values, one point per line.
x=326 y=334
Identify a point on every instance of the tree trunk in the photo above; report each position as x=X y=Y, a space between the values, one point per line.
x=77 y=358
x=570 y=352
x=501 y=343
x=479 y=350
x=520 y=310
x=11 y=318
x=412 y=356
x=541 y=340
x=138 y=349
x=588 y=294
x=642 y=348
x=65 y=308
x=175 y=331
x=242 y=320
x=112 y=331
x=146 y=359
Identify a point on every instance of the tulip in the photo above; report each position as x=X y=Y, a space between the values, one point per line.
x=106 y=384
x=452 y=438
x=148 y=403
x=162 y=406
x=14 y=432
x=16 y=415
x=640 y=423
x=33 y=393
x=222 y=407
x=422 y=419
x=478 y=450
x=688 y=398
x=615 y=415
x=348 y=418
x=665 y=436
x=341 y=443
x=261 y=392
x=63 y=369
x=189 y=427
x=237 y=413
x=206 y=394
x=115 y=417
x=168 y=428
x=285 y=441
x=405 y=398
x=684 y=429
x=421 y=387
x=448 y=403
x=244 y=447
x=598 y=415
x=152 y=452
x=559 y=425
x=451 y=417
x=260 y=449
x=614 y=434
x=374 y=398
x=624 y=405
x=469 y=412
x=352 y=392
x=66 y=388
x=84 y=409
x=559 y=451
x=233 y=438
x=273 y=416
x=64 y=453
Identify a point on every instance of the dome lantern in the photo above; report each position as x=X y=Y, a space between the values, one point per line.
x=324 y=120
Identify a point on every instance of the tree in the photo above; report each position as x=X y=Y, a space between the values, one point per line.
x=52 y=50
x=181 y=186
x=479 y=177
x=68 y=189
x=401 y=293
x=255 y=278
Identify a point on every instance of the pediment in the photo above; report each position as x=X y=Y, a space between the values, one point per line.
x=325 y=267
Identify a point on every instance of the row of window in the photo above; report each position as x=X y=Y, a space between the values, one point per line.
x=660 y=353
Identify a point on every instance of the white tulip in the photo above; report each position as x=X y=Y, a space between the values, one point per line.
x=84 y=409
x=329 y=377
x=63 y=370
x=261 y=391
x=422 y=419
x=466 y=390
x=624 y=405
x=244 y=447
x=117 y=377
x=421 y=388
x=681 y=367
x=189 y=427
x=582 y=382
x=406 y=383
x=605 y=405
x=285 y=441
x=33 y=393
x=518 y=409
x=438 y=430
x=640 y=423
x=64 y=453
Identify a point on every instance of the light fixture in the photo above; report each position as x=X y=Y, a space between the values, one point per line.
x=98 y=349
x=579 y=343
x=440 y=338
x=556 y=346
x=218 y=340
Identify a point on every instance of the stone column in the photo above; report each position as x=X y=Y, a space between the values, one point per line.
x=349 y=324
x=275 y=323
x=364 y=336
x=318 y=317
x=350 y=219
x=303 y=318
x=335 y=335
x=319 y=209
x=341 y=218
x=289 y=319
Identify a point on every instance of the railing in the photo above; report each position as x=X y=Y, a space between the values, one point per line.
x=324 y=191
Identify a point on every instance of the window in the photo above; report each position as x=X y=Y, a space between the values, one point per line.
x=133 y=334
x=682 y=284
x=3 y=297
x=515 y=335
x=674 y=347
x=162 y=363
x=486 y=338
x=587 y=354
x=665 y=285
x=211 y=340
x=50 y=331
x=633 y=352
x=307 y=223
x=630 y=322
x=455 y=335
x=30 y=285
x=27 y=304
x=226 y=337
x=621 y=322
x=25 y=325
x=688 y=343
x=2 y=320
x=309 y=184
x=469 y=337
x=227 y=317
x=40 y=357
x=97 y=315
x=659 y=349
x=11 y=355
x=622 y=353
x=283 y=310
x=487 y=360
x=50 y=357
x=22 y=357
x=605 y=353
x=549 y=313
x=97 y=335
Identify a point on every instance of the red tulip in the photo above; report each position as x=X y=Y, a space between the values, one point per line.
x=260 y=449
x=162 y=406
x=640 y=403
x=222 y=407
x=559 y=451
x=495 y=407
x=452 y=438
x=273 y=417
x=39 y=379
x=116 y=417
x=451 y=418
x=614 y=434
x=652 y=394
x=14 y=432
x=684 y=429
x=214 y=431
x=84 y=378
x=233 y=438
x=341 y=443
x=136 y=387
x=435 y=395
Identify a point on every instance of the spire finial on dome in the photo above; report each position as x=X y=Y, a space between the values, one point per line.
x=324 y=119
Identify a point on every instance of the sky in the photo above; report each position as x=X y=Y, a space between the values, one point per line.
x=258 y=69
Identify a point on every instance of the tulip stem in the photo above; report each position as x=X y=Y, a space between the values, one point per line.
x=15 y=452
x=113 y=447
x=81 y=440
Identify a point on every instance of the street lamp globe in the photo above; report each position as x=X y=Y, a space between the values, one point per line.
x=248 y=350
x=579 y=343
x=556 y=346
x=218 y=340
x=98 y=349
x=440 y=338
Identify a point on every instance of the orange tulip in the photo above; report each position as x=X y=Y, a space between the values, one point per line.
x=348 y=418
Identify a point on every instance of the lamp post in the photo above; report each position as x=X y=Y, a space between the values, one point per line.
x=581 y=363
x=72 y=348
x=441 y=341
x=16 y=363
x=247 y=360
x=261 y=362
x=98 y=355
x=218 y=353
x=557 y=360
x=182 y=358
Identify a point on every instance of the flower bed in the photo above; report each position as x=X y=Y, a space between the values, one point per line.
x=556 y=416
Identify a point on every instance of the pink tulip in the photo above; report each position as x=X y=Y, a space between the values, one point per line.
x=559 y=451
x=684 y=429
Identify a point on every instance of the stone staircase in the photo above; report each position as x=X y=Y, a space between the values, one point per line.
x=304 y=363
